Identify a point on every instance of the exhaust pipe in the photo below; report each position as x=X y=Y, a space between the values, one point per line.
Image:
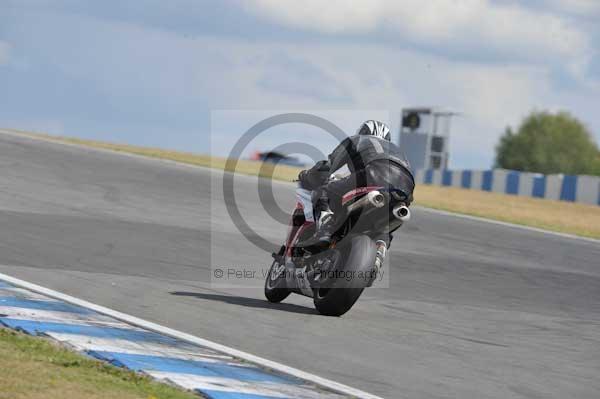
x=401 y=212
x=376 y=199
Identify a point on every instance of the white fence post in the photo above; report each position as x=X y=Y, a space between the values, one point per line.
x=499 y=181
x=553 y=186
x=526 y=184
x=588 y=190
x=437 y=177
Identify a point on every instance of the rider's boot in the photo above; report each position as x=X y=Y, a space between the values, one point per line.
x=325 y=220
x=325 y=227
x=324 y=217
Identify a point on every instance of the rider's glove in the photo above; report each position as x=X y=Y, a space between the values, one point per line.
x=315 y=176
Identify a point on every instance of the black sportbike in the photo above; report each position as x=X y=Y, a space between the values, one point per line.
x=336 y=276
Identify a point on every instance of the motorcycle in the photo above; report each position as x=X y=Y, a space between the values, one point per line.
x=336 y=276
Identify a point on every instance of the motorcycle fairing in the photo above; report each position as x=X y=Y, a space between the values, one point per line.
x=304 y=198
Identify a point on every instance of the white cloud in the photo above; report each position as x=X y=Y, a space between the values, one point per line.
x=475 y=24
x=578 y=7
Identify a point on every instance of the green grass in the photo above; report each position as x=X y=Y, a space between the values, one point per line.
x=33 y=367
x=559 y=216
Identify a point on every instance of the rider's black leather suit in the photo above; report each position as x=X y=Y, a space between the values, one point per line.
x=372 y=162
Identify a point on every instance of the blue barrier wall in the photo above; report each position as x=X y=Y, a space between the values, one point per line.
x=428 y=176
x=539 y=186
x=584 y=189
x=447 y=178
x=568 y=189
x=487 y=180
x=512 y=183
x=466 y=178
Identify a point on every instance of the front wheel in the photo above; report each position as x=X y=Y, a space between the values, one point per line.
x=339 y=295
x=275 y=285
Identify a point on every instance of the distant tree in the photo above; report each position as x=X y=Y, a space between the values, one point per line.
x=549 y=143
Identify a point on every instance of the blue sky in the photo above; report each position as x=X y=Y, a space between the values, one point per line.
x=151 y=72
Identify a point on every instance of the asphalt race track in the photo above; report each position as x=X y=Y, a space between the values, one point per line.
x=473 y=309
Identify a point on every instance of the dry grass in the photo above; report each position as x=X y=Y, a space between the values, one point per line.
x=34 y=368
x=566 y=217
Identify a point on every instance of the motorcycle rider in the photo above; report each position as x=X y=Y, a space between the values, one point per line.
x=373 y=160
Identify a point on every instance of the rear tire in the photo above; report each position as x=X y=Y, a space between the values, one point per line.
x=275 y=285
x=358 y=257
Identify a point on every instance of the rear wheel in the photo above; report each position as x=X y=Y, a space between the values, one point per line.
x=338 y=295
x=275 y=285
x=336 y=301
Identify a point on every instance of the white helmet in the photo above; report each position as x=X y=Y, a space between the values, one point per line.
x=374 y=128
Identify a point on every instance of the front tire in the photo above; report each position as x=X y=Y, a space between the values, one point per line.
x=275 y=285
x=341 y=294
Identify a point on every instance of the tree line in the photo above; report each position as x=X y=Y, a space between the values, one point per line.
x=549 y=143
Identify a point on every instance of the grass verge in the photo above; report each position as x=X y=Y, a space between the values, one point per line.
x=559 y=216
x=33 y=367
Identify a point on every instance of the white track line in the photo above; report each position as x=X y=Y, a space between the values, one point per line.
x=335 y=386
x=213 y=170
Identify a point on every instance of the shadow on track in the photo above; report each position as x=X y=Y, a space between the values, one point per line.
x=249 y=302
